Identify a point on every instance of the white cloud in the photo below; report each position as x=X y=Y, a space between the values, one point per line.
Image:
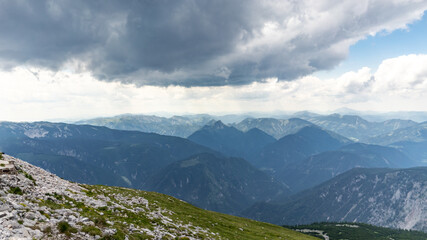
x=401 y=75
x=37 y=94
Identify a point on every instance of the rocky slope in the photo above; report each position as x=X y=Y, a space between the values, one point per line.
x=385 y=197
x=321 y=167
x=35 y=204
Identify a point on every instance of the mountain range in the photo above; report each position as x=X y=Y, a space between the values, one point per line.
x=411 y=140
x=216 y=183
x=180 y=126
x=231 y=141
x=320 y=167
x=230 y=168
x=295 y=147
x=383 y=197
x=350 y=126
x=355 y=127
x=277 y=128
x=99 y=155
x=91 y=154
x=414 y=133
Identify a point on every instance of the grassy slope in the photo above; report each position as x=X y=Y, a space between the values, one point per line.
x=226 y=226
x=363 y=231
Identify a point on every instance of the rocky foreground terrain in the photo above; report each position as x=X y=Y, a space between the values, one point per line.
x=32 y=210
x=35 y=204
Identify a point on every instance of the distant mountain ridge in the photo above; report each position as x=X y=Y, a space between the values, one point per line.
x=355 y=127
x=233 y=168
x=231 y=141
x=350 y=126
x=180 y=126
x=221 y=184
x=326 y=165
x=411 y=140
x=91 y=154
x=277 y=128
x=384 y=197
x=295 y=147
x=99 y=155
x=415 y=133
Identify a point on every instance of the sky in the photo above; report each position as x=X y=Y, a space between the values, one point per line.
x=73 y=59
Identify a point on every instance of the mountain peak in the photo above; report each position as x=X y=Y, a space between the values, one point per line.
x=295 y=147
x=310 y=128
x=314 y=131
x=216 y=124
x=256 y=131
x=311 y=131
x=346 y=117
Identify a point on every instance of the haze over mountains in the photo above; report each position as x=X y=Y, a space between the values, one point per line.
x=231 y=141
x=357 y=128
x=93 y=154
x=277 y=128
x=294 y=147
x=318 y=168
x=230 y=167
x=350 y=126
x=179 y=126
x=414 y=133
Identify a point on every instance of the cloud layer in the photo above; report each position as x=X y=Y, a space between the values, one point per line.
x=35 y=94
x=193 y=42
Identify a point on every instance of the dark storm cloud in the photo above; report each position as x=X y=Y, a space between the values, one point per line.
x=161 y=38
x=48 y=33
x=192 y=42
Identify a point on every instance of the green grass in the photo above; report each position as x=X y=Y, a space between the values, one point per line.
x=362 y=231
x=224 y=226
x=92 y=230
x=227 y=226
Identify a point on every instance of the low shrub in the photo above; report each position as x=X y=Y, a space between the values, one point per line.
x=66 y=228
x=92 y=230
x=16 y=190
